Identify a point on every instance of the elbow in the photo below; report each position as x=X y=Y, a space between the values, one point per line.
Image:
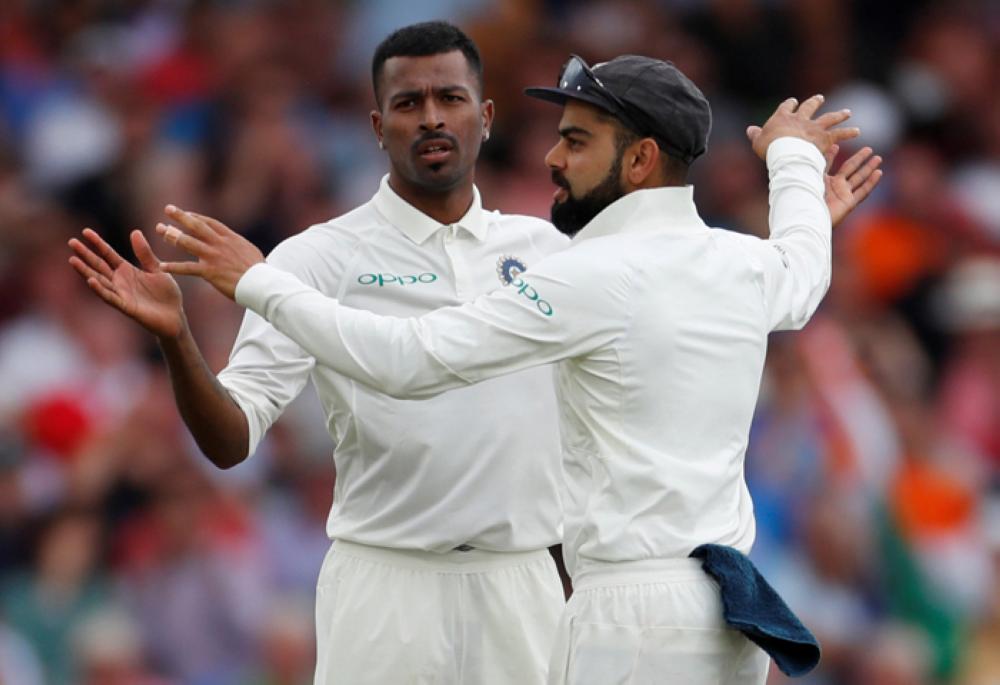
x=408 y=385
x=224 y=459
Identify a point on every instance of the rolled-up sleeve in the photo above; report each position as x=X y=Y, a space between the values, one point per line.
x=546 y=314
x=796 y=259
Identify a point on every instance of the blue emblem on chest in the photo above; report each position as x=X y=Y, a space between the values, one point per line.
x=508 y=267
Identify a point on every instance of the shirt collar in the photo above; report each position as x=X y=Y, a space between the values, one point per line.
x=659 y=208
x=416 y=225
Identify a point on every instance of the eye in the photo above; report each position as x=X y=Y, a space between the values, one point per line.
x=574 y=143
x=451 y=97
x=408 y=103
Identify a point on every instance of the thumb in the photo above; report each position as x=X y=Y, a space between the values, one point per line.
x=831 y=154
x=753 y=132
x=144 y=252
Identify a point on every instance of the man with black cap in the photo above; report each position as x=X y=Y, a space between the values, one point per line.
x=660 y=326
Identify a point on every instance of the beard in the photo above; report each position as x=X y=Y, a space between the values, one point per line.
x=572 y=214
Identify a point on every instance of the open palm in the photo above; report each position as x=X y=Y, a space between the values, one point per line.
x=147 y=294
x=852 y=183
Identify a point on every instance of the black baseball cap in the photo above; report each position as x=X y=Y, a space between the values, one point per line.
x=650 y=96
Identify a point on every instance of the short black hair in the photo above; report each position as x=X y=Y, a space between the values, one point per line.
x=674 y=168
x=423 y=40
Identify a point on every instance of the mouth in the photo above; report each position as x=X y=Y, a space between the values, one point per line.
x=562 y=190
x=435 y=150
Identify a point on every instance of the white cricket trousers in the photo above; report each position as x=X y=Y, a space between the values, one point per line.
x=397 y=617
x=651 y=622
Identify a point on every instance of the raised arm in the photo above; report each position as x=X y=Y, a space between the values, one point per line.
x=544 y=315
x=796 y=259
x=151 y=298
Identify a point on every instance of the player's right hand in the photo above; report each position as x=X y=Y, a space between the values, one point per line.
x=148 y=295
x=796 y=120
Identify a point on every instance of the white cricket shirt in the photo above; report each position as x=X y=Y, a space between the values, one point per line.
x=479 y=465
x=660 y=326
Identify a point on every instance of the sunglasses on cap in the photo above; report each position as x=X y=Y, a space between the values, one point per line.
x=577 y=76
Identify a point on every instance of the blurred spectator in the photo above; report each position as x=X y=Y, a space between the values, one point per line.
x=64 y=585
x=19 y=665
x=110 y=651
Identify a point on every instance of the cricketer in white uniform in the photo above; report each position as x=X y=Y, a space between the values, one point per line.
x=439 y=571
x=443 y=510
x=400 y=598
x=659 y=326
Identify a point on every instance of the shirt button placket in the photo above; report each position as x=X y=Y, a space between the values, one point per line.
x=455 y=258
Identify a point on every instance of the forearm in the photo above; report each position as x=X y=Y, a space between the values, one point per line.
x=384 y=353
x=217 y=423
x=800 y=228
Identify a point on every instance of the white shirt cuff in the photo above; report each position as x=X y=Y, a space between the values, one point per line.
x=789 y=145
x=256 y=284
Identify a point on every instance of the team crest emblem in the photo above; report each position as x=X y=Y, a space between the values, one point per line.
x=508 y=267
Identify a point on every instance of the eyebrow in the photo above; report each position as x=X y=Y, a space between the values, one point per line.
x=418 y=93
x=570 y=130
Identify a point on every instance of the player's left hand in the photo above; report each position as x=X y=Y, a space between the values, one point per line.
x=223 y=255
x=852 y=183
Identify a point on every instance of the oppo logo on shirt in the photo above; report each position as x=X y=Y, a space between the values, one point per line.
x=394 y=279
x=523 y=288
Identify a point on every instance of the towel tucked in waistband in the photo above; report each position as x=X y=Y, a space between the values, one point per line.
x=752 y=606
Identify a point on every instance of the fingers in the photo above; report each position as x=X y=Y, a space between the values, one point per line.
x=214 y=224
x=753 y=132
x=870 y=167
x=810 y=106
x=864 y=180
x=191 y=223
x=144 y=252
x=830 y=155
x=183 y=268
x=98 y=283
x=788 y=106
x=831 y=119
x=838 y=135
x=103 y=249
x=88 y=272
x=86 y=255
x=176 y=236
x=854 y=162
x=868 y=186
x=106 y=293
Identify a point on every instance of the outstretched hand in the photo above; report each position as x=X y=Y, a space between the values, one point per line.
x=146 y=294
x=223 y=255
x=793 y=119
x=853 y=182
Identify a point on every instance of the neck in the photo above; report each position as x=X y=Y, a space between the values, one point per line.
x=446 y=205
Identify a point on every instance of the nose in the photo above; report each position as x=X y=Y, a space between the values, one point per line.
x=430 y=118
x=554 y=158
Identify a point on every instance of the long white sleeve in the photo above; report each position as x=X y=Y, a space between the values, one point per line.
x=796 y=260
x=548 y=313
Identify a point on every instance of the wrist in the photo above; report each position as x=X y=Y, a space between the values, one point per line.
x=174 y=336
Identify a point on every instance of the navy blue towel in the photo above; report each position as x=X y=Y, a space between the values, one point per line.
x=751 y=606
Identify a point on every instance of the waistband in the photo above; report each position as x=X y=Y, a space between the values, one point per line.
x=470 y=561
x=595 y=574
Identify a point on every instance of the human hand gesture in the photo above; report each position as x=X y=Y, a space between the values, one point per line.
x=793 y=119
x=147 y=294
x=223 y=255
x=852 y=183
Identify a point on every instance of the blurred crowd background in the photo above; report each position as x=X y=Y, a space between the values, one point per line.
x=126 y=559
